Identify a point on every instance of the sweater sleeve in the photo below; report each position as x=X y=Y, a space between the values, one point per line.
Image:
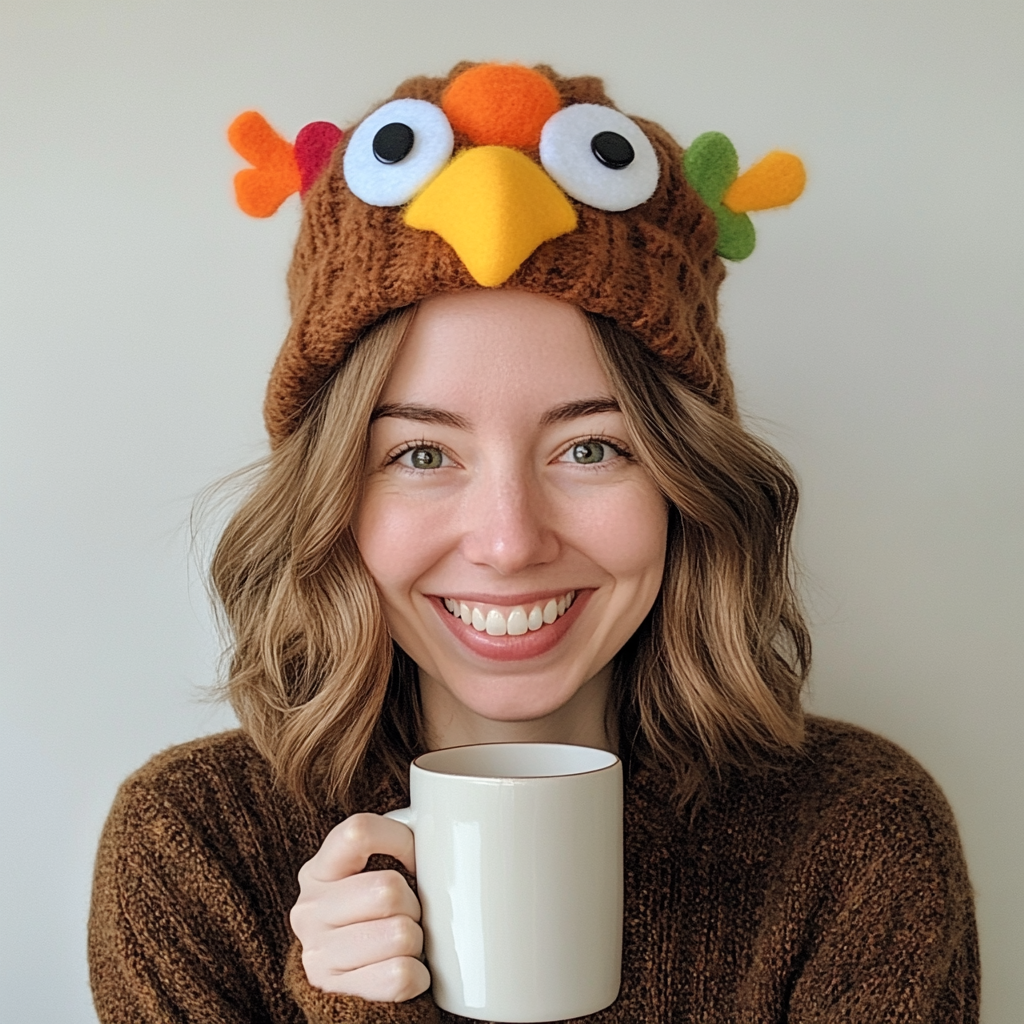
x=890 y=935
x=184 y=928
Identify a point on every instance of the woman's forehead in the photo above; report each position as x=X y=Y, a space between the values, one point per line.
x=483 y=350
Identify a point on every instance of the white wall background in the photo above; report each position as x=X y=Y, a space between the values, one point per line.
x=876 y=337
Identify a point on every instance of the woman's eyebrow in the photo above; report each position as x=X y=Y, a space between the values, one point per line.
x=573 y=410
x=420 y=413
x=430 y=414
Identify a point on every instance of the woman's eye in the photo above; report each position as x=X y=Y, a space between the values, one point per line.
x=422 y=457
x=599 y=156
x=589 y=453
x=397 y=151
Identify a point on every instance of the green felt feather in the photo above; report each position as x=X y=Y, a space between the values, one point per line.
x=736 y=237
x=711 y=166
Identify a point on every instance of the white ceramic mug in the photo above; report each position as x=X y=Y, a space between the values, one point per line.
x=519 y=873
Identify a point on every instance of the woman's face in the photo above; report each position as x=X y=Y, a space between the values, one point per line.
x=515 y=543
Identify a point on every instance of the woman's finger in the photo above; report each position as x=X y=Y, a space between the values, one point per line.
x=351 y=843
x=367 y=942
x=388 y=981
x=369 y=896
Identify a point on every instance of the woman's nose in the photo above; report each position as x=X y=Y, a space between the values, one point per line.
x=510 y=526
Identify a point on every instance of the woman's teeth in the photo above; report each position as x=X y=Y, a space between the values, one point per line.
x=517 y=622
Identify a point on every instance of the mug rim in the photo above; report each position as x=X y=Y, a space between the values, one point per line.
x=615 y=760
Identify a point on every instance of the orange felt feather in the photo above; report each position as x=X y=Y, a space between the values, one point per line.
x=274 y=176
x=776 y=180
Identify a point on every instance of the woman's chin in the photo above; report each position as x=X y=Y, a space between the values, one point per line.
x=505 y=700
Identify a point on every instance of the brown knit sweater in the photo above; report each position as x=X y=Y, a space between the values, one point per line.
x=831 y=890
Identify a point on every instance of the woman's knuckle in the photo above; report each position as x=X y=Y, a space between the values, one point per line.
x=304 y=916
x=405 y=934
x=358 y=829
x=410 y=978
x=314 y=966
x=399 y=974
x=388 y=890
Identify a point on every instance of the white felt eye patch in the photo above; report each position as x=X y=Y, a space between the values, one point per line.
x=396 y=151
x=599 y=157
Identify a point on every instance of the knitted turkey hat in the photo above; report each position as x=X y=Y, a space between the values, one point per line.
x=505 y=176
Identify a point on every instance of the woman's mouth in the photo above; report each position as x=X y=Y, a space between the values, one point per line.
x=498 y=621
x=511 y=632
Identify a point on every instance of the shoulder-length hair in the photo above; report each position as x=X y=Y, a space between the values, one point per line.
x=710 y=680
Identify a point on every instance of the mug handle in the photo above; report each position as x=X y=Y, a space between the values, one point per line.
x=406 y=815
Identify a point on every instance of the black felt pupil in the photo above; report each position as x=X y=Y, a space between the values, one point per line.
x=611 y=149
x=394 y=141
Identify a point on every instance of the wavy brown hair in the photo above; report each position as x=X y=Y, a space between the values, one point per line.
x=710 y=680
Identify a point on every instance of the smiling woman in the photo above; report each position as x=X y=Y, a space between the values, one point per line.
x=502 y=477
x=533 y=477
x=522 y=512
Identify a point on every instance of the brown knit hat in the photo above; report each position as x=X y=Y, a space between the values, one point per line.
x=504 y=176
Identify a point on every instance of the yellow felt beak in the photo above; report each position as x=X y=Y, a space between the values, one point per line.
x=493 y=206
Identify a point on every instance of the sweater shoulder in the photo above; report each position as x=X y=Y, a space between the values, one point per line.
x=199 y=763
x=847 y=757
x=217 y=794
x=851 y=775
x=198 y=780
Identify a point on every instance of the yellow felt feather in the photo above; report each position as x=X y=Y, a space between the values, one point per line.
x=776 y=180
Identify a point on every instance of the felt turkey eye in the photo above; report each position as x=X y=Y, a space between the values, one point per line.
x=396 y=151
x=599 y=157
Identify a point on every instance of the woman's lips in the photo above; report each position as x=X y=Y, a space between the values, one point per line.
x=513 y=648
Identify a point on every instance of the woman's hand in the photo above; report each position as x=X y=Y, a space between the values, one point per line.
x=359 y=932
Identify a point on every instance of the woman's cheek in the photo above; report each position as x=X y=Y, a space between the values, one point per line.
x=401 y=536
x=624 y=530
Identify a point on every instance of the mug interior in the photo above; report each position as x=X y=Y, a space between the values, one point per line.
x=516 y=760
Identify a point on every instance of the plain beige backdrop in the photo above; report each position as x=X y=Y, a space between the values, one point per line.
x=877 y=337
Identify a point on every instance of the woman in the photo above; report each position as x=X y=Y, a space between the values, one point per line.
x=509 y=499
